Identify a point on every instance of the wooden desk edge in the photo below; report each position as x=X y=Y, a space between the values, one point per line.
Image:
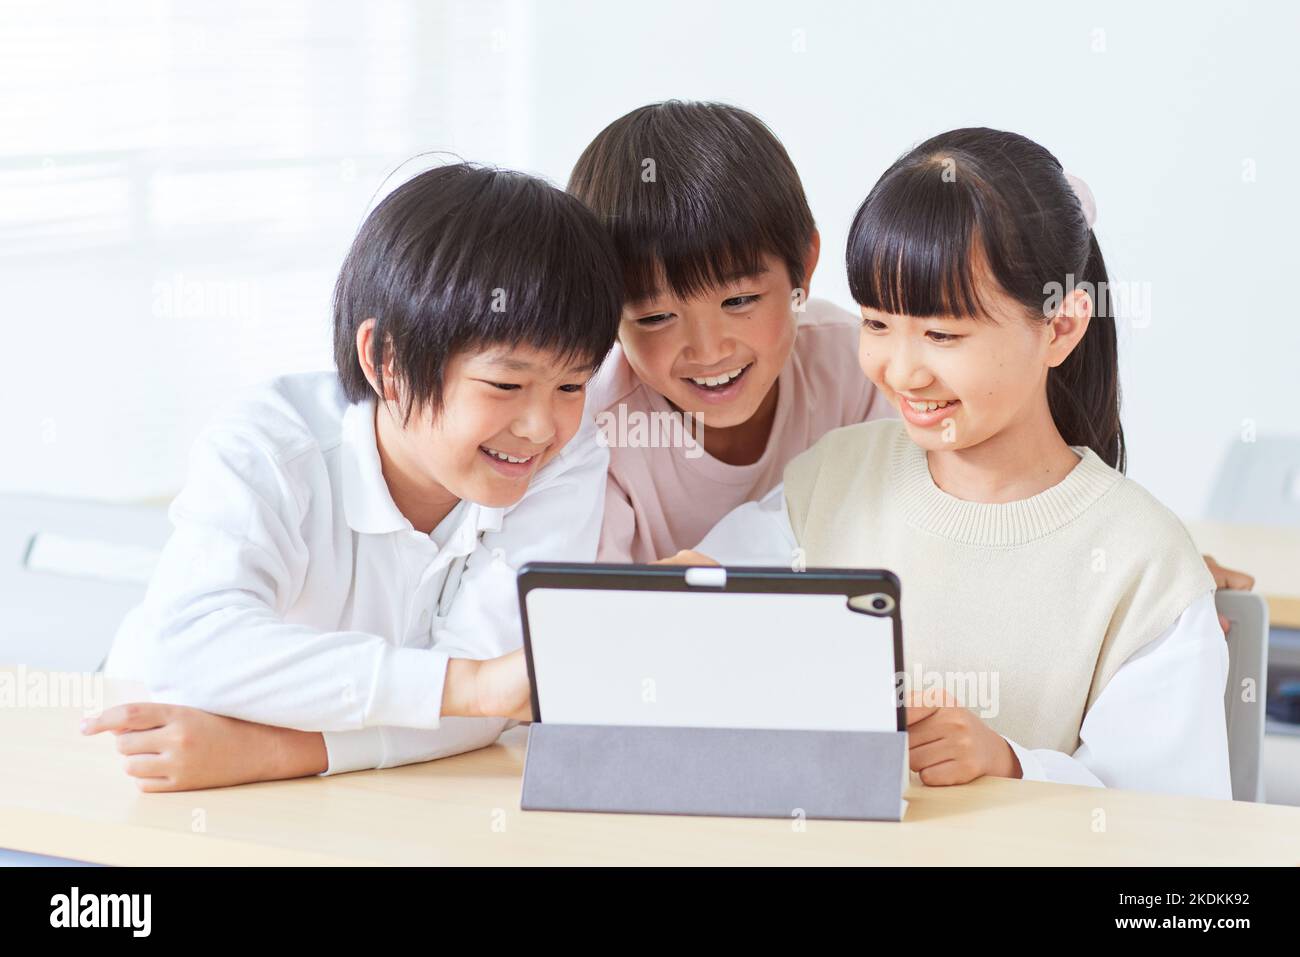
x=118 y=844
x=1283 y=611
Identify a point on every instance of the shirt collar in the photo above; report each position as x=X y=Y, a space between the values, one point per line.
x=368 y=504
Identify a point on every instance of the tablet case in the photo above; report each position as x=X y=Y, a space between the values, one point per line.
x=808 y=773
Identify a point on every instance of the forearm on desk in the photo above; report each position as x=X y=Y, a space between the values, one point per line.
x=296 y=754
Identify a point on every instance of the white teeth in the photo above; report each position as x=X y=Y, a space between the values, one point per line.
x=503 y=457
x=717 y=380
x=930 y=406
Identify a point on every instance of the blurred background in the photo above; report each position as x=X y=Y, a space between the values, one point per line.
x=179 y=180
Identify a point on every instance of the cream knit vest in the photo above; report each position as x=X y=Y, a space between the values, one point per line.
x=1043 y=599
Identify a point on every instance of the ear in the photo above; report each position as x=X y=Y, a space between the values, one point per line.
x=1068 y=327
x=365 y=355
x=810 y=261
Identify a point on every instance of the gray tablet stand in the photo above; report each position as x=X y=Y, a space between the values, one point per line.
x=634 y=768
x=846 y=775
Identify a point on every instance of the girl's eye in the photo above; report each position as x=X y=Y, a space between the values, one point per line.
x=505 y=386
x=875 y=325
x=653 y=320
x=941 y=336
x=572 y=388
x=736 y=301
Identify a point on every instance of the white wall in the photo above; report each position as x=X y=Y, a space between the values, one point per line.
x=226 y=153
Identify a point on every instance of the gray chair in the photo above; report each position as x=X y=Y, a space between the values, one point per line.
x=1243 y=699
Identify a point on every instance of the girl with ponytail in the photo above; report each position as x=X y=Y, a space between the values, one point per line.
x=984 y=225
x=1058 y=618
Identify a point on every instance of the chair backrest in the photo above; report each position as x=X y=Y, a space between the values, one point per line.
x=1258 y=483
x=1243 y=699
x=69 y=571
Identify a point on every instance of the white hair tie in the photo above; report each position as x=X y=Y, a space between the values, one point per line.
x=1086 y=199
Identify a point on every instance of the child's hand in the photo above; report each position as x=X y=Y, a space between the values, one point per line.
x=495 y=687
x=174 y=748
x=1227 y=578
x=948 y=744
x=686 y=558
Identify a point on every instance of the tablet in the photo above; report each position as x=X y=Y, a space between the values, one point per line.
x=709 y=647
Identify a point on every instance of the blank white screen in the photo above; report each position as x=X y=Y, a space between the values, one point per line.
x=710 y=659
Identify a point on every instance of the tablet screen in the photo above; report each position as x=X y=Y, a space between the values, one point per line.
x=710 y=659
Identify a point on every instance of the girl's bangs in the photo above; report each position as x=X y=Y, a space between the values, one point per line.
x=915 y=247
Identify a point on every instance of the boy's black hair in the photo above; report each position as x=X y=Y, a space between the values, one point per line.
x=694 y=194
x=975 y=201
x=462 y=258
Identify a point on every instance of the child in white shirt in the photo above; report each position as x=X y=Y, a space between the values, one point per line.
x=339 y=590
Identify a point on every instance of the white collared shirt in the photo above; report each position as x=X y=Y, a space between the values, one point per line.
x=1172 y=688
x=293 y=592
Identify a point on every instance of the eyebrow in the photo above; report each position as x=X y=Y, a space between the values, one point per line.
x=738 y=276
x=649 y=298
x=645 y=301
x=881 y=316
x=523 y=365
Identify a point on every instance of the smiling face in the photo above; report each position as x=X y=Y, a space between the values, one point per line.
x=959 y=382
x=506 y=412
x=717 y=355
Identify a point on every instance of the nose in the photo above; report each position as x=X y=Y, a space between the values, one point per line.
x=536 y=424
x=904 y=370
x=706 y=343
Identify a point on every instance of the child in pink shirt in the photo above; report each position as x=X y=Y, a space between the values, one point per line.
x=724 y=370
x=662 y=499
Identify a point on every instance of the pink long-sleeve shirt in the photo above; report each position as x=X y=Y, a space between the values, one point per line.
x=664 y=492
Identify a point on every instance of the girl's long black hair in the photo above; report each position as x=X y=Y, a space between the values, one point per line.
x=976 y=200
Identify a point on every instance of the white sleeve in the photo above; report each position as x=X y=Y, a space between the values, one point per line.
x=211 y=632
x=756 y=533
x=1159 y=724
x=558 y=519
x=388 y=747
